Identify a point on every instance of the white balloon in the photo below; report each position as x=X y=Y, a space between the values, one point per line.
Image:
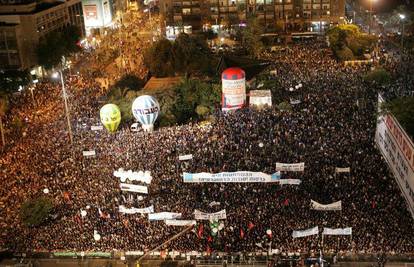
x=88 y=207
x=261 y=144
x=291 y=89
x=141 y=174
x=268 y=231
x=46 y=191
x=83 y=213
x=145 y=109
x=123 y=179
x=140 y=198
x=215 y=230
x=97 y=237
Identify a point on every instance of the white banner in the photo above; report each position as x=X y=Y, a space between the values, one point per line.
x=180 y=222
x=307 y=232
x=339 y=170
x=231 y=177
x=332 y=206
x=290 y=167
x=398 y=150
x=290 y=181
x=185 y=157
x=123 y=209
x=140 y=176
x=295 y=102
x=89 y=153
x=214 y=203
x=96 y=127
x=161 y=216
x=220 y=215
x=337 y=231
x=134 y=188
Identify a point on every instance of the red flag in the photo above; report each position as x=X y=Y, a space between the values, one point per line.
x=286 y=202
x=200 y=231
x=208 y=250
x=251 y=226
x=66 y=196
x=373 y=204
x=209 y=239
x=241 y=233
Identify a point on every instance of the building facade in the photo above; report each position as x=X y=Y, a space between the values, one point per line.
x=22 y=25
x=97 y=14
x=275 y=15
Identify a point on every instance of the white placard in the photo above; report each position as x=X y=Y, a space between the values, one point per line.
x=290 y=181
x=96 y=127
x=89 y=153
x=328 y=207
x=134 y=188
x=185 y=157
x=339 y=170
x=231 y=177
x=220 y=215
x=290 y=167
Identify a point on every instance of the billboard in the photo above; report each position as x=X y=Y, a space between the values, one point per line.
x=398 y=151
x=97 y=13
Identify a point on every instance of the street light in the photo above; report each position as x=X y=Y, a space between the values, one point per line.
x=56 y=75
x=370 y=16
x=402 y=18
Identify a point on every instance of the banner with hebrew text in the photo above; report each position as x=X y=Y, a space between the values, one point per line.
x=337 y=231
x=307 y=232
x=332 y=206
x=231 y=177
x=161 y=216
x=123 y=209
x=180 y=222
x=220 y=215
x=134 y=188
x=290 y=167
x=339 y=170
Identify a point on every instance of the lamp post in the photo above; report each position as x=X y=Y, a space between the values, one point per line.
x=56 y=75
x=402 y=18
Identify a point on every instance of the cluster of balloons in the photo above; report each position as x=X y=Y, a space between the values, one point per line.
x=144 y=108
x=215 y=227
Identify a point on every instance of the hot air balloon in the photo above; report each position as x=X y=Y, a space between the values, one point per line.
x=145 y=109
x=110 y=117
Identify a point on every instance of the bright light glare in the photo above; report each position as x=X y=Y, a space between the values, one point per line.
x=402 y=16
x=55 y=75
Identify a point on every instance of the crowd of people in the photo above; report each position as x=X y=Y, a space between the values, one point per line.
x=332 y=126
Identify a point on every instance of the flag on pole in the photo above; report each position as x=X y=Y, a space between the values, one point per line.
x=209 y=239
x=241 y=233
x=103 y=215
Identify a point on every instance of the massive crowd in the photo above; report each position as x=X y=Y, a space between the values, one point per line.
x=332 y=126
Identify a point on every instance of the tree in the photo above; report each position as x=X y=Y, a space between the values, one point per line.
x=378 y=75
x=57 y=44
x=159 y=58
x=251 y=37
x=347 y=38
x=34 y=212
x=403 y=109
x=191 y=55
x=3 y=110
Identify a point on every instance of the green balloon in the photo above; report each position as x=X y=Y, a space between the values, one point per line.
x=110 y=117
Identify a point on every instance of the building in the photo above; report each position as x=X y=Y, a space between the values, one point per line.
x=97 y=13
x=276 y=15
x=23 y=23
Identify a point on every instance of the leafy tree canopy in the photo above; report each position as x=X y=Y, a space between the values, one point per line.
x=403 y=109
x=251 y=37
x=56 y=44
x=34 y=212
